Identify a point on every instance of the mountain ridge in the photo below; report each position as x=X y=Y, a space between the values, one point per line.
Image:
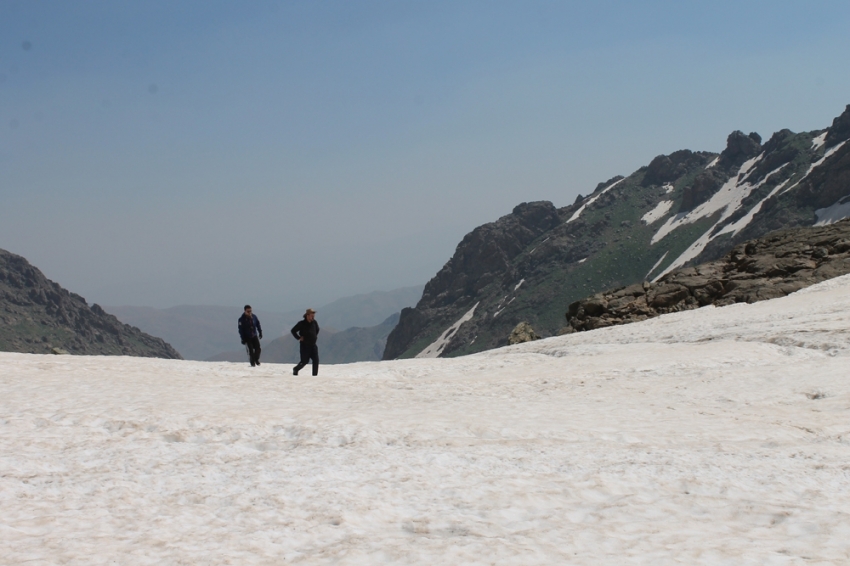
x=39 y=316
x=681 y=209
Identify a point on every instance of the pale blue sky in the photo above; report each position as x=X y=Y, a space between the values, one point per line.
x=289 y=153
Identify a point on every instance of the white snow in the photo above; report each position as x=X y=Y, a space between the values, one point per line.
x=668 y=188
x=582 y=260
x=521 y=281
x=818 y=141
x=832 y=214
x=657 y=263
x=657 y=213
x=437 y=346
x=715 y=436
x=728 y=198
x=734 y=192
x=713 y=162
x=591 y=200
x=826 y=155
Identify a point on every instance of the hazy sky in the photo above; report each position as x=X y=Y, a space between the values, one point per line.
x=289 y=153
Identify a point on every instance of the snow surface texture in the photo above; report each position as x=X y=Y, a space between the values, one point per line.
x=714 y=436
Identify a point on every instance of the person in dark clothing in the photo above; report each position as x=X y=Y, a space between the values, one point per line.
x=251 y=333
x=307 y=332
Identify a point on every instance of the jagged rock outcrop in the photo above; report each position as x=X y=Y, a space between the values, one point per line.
x=767 y=268
x=683 y=209
x=522 y=333
x=481 y=258
x=38 y=316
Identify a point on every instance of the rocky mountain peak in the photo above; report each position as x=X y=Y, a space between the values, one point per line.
x=840 y=129
x=487 y=251
x=682 y=209
x=739 y=148
x=666 y=168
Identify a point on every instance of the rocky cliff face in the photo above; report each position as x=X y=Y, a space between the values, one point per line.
x=38 y=316
x=686 y=208
x=767 y=268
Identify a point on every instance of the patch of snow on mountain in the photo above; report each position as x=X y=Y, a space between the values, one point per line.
x=578 y=212
x=743 y=190
x=657 y=263
x=818 y=141
x=521 y=281
x=727 y=199
x=582 y=260
x=436 y=348
x=832 y=214
x=660 y=210
x=668 y=188
x=827 y=154
x=712 y=436
x=713 y=162
x=742 y=222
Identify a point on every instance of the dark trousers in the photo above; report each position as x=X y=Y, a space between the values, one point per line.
x=308 y=352
x=253 y=346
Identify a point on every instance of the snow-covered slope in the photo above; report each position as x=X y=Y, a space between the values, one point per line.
x=719 y=435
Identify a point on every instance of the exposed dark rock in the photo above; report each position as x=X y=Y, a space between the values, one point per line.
x=840 y=129
x=739 y=148
x=518 y=270
x=40 y=317
x=668 y=168
x=767 y=268
x=706 y=184
x=482 y=258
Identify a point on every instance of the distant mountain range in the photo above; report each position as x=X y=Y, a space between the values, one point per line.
x=209 y=332
x=681 y=209
x=38 y=316
x=351 y=345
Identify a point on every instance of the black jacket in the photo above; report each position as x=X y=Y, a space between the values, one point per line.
x=307 y=330
x=249 y=327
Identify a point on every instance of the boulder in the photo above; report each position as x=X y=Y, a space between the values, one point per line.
x=770 y=267
x=522 y=333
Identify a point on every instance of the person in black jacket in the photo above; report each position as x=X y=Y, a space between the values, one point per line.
x=251 y=333
x=307 y=332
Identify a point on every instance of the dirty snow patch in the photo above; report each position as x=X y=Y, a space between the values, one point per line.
x=832 y=214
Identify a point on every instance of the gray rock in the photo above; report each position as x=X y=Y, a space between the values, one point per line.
x=768 y=268
x=522 y=333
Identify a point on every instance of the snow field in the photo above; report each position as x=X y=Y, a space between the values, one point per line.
x=716 y=436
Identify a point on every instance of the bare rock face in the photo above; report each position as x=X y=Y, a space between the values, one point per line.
x=522 y=333
x=38 y=316
x=482 y=257
x=767 y=268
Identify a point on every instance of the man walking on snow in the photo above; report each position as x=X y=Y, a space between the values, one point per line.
x=307 y=333
x=251 y=333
